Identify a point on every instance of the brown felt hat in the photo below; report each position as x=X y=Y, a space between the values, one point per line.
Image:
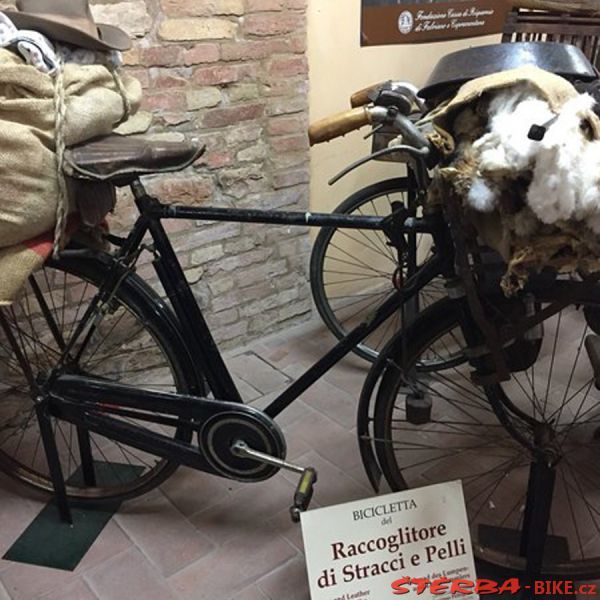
x=68 y=21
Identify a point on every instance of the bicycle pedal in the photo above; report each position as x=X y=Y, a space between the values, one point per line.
x=304 y=493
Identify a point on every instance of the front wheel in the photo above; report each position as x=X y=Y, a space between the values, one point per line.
x=461 y=438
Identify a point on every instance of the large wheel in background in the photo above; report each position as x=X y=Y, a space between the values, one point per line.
x=352 y=272
x=463 y=440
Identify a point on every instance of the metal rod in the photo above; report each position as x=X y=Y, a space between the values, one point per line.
x=267 y=217
x=242 y=449
x=429 y=271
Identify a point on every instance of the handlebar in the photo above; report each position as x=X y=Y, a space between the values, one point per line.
x=361 y=98
x=337 y=125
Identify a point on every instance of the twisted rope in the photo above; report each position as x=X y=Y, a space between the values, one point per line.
x=122 y=92
x=60 y=114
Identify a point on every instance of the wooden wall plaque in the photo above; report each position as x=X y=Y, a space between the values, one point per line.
x=409 y=22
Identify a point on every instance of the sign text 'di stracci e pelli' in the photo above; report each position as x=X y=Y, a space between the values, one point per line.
x=356 y=551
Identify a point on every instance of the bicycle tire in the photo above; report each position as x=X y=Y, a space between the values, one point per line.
x=374 y=200
x=464 y=440
x=122 y=472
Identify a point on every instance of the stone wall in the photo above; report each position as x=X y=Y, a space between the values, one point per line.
x=232 y=73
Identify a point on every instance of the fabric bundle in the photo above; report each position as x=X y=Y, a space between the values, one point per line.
x=535 y=202
x=41 y=113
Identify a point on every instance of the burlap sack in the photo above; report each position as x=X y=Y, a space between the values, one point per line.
x=28 y=171
x=556 y=90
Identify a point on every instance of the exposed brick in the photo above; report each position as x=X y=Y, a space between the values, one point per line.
x=249 y=132
x=220 y=74
x=197 y=29
x=286 y=125
x=206 y=254
x=286 y=106
x=132 y=16
x=252 y=50
x=131 y=57
x=233 y=74
x=141 y=75
x=201 y=53
x=203 y=98
x=182 y=190
x=160 y=56
x=252 y=153
x=290 y=178
x=171 y=101
x=297 y=43
x=243 y=91
x=266 y=24
x=291 y=86
x=290 y=142
x=222 y=117
x=288 y=67
x=264 y=5
x=169 y=81
x=202 y=8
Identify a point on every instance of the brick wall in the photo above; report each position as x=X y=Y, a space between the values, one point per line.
x=232 y=73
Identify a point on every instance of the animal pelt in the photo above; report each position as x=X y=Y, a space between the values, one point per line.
x=537 y=203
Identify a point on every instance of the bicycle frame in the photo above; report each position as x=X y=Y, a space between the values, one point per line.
x=194 y=328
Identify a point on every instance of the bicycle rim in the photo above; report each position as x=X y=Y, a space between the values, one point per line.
x=128 y=347
x=463 y=440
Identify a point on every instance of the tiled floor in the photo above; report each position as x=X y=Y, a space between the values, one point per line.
x=199 y=537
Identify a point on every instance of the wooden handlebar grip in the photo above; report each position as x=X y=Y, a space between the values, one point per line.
x=361 y=98
x=338 y=125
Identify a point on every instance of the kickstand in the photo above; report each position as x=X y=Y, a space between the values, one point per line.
x=48 y=438
x=56 y=473
x=542 y=477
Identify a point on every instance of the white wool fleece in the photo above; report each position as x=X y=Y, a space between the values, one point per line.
x=566 y=165
x=506 y=148
x=565 y=181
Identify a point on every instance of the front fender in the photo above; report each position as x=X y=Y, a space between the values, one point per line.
x=366 y=409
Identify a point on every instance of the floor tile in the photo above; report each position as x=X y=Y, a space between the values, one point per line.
x=233 y=567
x=25 y=582
x=171 y=542
x=77 y=590
x=289 y=582
x=250 y=593
x=246 y=511
x=192 y=491
x=128 y=575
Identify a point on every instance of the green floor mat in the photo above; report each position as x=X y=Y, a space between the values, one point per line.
x=48 y=542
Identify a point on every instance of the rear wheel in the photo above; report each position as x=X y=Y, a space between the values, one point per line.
x=131 y=344
x=463 y=439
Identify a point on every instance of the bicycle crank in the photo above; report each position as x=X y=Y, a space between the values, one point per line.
x=305 y=487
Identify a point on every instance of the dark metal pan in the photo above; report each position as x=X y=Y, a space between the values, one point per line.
x=459 y=67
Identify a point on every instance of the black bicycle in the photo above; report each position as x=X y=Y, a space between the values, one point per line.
x=106 y=388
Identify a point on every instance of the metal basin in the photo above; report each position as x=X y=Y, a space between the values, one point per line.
x=459 y=67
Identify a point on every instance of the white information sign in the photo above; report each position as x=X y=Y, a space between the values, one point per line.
x=367 y=550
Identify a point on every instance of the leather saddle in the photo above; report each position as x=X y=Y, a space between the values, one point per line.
x=122 y=159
